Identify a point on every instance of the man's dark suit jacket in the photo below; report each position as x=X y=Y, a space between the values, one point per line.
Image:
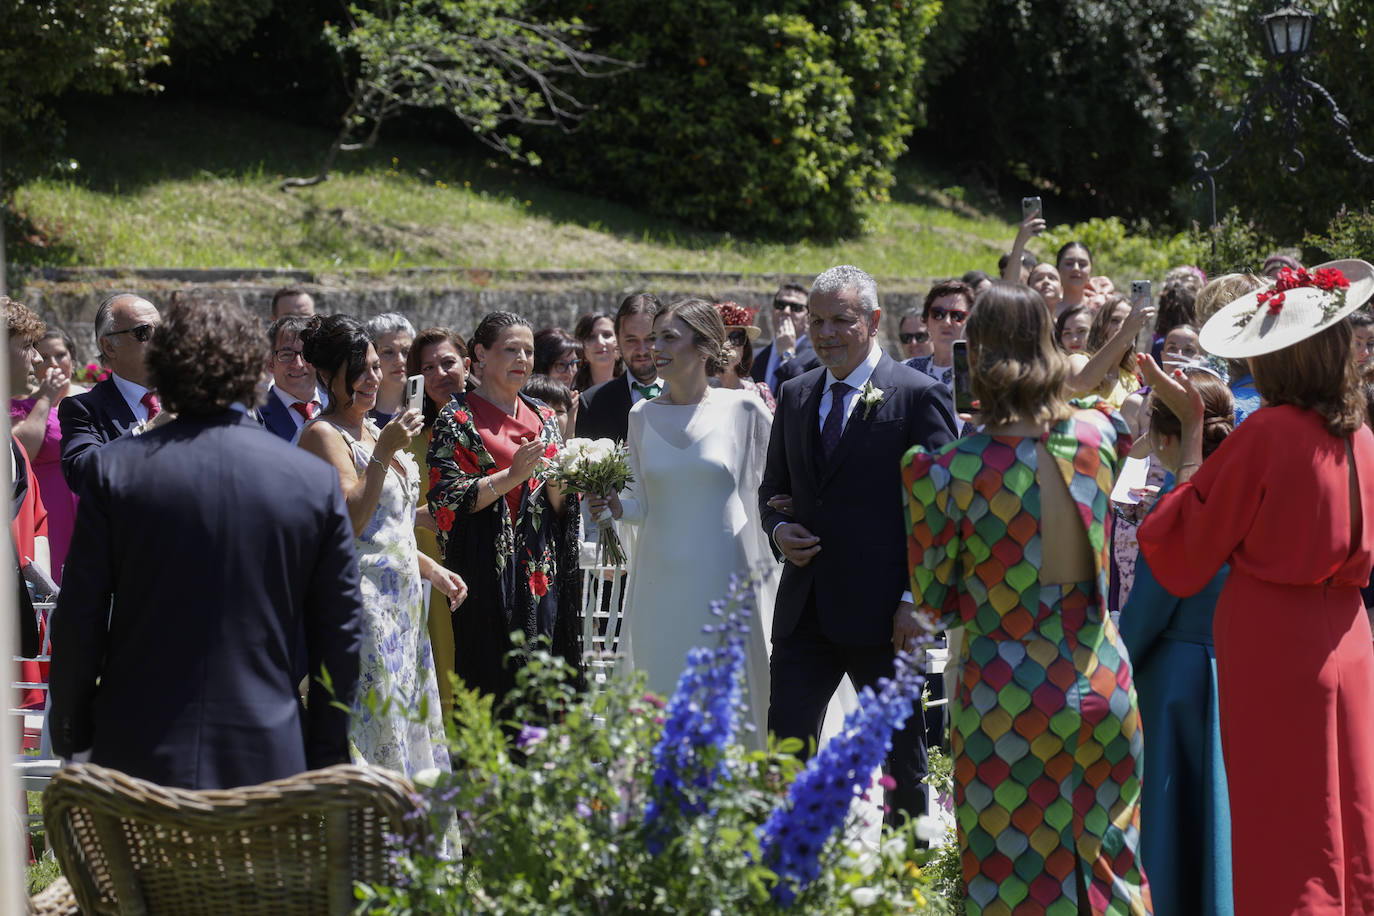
x=854 y=503
x=804 y=361
x=276 y=416
x=210 y=549
x=603 y=411
x=89 y=420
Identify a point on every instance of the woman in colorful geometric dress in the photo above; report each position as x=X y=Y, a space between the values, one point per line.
x=1287 y=502
x=1007 y=540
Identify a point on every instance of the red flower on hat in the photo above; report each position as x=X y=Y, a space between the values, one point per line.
x=735 y=315
x=1327 y=279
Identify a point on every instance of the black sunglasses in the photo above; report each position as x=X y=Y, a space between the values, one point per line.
x=937 y=313
x=782 y=306
x=141 y=332
x=915 y=336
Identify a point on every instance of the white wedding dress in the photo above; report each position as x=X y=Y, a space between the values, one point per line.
x=694 y=503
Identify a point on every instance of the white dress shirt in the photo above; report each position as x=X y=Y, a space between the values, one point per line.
x=290 y=399
x=635 y=394
x=133 y=394
x=855 y=380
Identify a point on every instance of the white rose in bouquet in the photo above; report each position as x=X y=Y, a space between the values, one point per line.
x=599 y=468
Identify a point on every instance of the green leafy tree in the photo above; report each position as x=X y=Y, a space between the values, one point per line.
x=489 y=63
x=779 y=117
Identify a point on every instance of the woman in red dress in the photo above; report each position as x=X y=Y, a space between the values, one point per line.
x=1281 y=501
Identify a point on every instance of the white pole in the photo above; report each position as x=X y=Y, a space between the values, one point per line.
x=12 y=837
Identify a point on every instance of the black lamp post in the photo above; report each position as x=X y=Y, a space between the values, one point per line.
x=1287 y=33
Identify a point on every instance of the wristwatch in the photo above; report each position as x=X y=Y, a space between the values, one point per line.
x=788 y=354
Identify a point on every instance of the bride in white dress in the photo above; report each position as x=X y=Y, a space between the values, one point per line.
x=697 y=454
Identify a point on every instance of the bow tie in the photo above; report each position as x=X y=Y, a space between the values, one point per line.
x=648 y=391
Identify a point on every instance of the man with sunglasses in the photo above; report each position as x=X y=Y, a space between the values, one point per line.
x=913 y=334
x=124 y=323
x=790 y=353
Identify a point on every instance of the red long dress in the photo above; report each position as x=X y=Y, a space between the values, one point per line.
x=1295 y=664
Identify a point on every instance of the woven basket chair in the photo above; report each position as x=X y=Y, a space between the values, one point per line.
x=288 y=847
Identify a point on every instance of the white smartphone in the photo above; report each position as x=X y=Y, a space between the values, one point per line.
x=415 y=392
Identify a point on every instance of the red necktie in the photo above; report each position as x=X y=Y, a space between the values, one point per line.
x=305 y=408
x=150 y=401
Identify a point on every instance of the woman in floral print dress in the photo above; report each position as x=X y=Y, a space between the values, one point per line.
x=396 y=723
x=512 y=537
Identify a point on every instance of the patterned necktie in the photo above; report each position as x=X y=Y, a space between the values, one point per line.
x=648 y=392
x=150 y=401
x=834 y=420
x=305 y=408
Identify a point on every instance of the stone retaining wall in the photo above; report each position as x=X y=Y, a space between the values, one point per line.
x=458 y=298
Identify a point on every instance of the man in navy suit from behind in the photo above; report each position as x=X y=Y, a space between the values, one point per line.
x=831 y=501
x=124 y=323
x=205 y=553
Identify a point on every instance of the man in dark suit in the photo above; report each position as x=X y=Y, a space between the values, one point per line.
x=838 y=437
x=124 y=323
x=603 y=410
x=295 y=396
x=789 y=353
x=209 y=552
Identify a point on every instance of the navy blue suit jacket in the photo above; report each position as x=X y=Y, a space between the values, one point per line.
x=854 y=503
x=276 y=416
x=804 y=360
x=603 y=411
x=204 y=552
x=90 y=420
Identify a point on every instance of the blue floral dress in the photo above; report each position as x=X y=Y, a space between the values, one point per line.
x=397 y=721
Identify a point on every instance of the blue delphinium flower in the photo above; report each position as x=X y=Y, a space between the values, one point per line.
x=791 y=840
x=701 y=717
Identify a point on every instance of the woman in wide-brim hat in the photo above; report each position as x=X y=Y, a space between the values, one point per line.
x=740 y=334
x=1281 y=501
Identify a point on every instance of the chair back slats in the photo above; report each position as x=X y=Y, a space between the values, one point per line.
x=293 y=846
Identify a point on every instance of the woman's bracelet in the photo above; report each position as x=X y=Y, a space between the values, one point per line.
x=1195 y=465
x=491 y=487
x=373 y=460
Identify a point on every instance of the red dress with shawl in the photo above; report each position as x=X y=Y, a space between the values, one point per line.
x=1295 y=664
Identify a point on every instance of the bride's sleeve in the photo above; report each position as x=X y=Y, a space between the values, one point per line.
x=754 y=434
x=633 y=501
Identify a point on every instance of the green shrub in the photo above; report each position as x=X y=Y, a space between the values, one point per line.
x=778 y=118
x=1233 y=245
x=1350 y=234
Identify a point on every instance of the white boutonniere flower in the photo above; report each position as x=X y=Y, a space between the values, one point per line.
x=140 y=428
x=870 y=397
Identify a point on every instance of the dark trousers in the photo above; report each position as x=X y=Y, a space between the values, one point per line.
x=805 y=669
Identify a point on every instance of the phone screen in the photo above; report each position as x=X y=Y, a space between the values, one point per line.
x=415 y=392
x=963 y=385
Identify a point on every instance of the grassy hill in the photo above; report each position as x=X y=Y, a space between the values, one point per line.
x=157 y=183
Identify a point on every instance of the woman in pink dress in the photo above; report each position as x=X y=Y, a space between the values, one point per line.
x=34 y=419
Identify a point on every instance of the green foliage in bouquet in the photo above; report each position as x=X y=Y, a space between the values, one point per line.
x=615 y=802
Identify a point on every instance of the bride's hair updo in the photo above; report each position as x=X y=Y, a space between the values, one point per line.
x=708 y=330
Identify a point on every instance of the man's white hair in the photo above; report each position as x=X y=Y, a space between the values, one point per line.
x=847 y=277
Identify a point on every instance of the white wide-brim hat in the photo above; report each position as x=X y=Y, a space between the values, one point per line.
x=1247 y=327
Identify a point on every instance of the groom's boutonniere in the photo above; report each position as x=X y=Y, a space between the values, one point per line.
x=870 y=397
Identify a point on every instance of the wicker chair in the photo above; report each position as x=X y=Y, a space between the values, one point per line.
x=293 y=846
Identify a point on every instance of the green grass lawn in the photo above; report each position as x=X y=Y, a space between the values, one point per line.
x=164 y=184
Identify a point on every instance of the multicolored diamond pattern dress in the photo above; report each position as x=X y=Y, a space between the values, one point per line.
x=1044 y=725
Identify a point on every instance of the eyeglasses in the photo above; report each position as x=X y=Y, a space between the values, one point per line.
x=286 y=356
x=568 y=365
x=141 y=332
x=915 y=336
x=783 y=306
x=739 y=338
x=957 y=316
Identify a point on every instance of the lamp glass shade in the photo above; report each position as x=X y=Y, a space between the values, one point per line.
x=1287 y=31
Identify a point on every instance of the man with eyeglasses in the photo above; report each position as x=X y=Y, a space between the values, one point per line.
x=124 y=323
x=295 y=396
x=790 y=353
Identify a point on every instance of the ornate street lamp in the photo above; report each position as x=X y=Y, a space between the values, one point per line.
x=1287 y=33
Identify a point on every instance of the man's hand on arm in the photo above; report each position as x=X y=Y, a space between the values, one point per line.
x=797 y=544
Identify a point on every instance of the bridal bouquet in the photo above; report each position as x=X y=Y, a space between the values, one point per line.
x=598 y=467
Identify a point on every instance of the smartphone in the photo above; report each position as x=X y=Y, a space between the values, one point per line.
x=415 y=392
x=1139 y=288
x=1030 y=205
x=963 y=385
